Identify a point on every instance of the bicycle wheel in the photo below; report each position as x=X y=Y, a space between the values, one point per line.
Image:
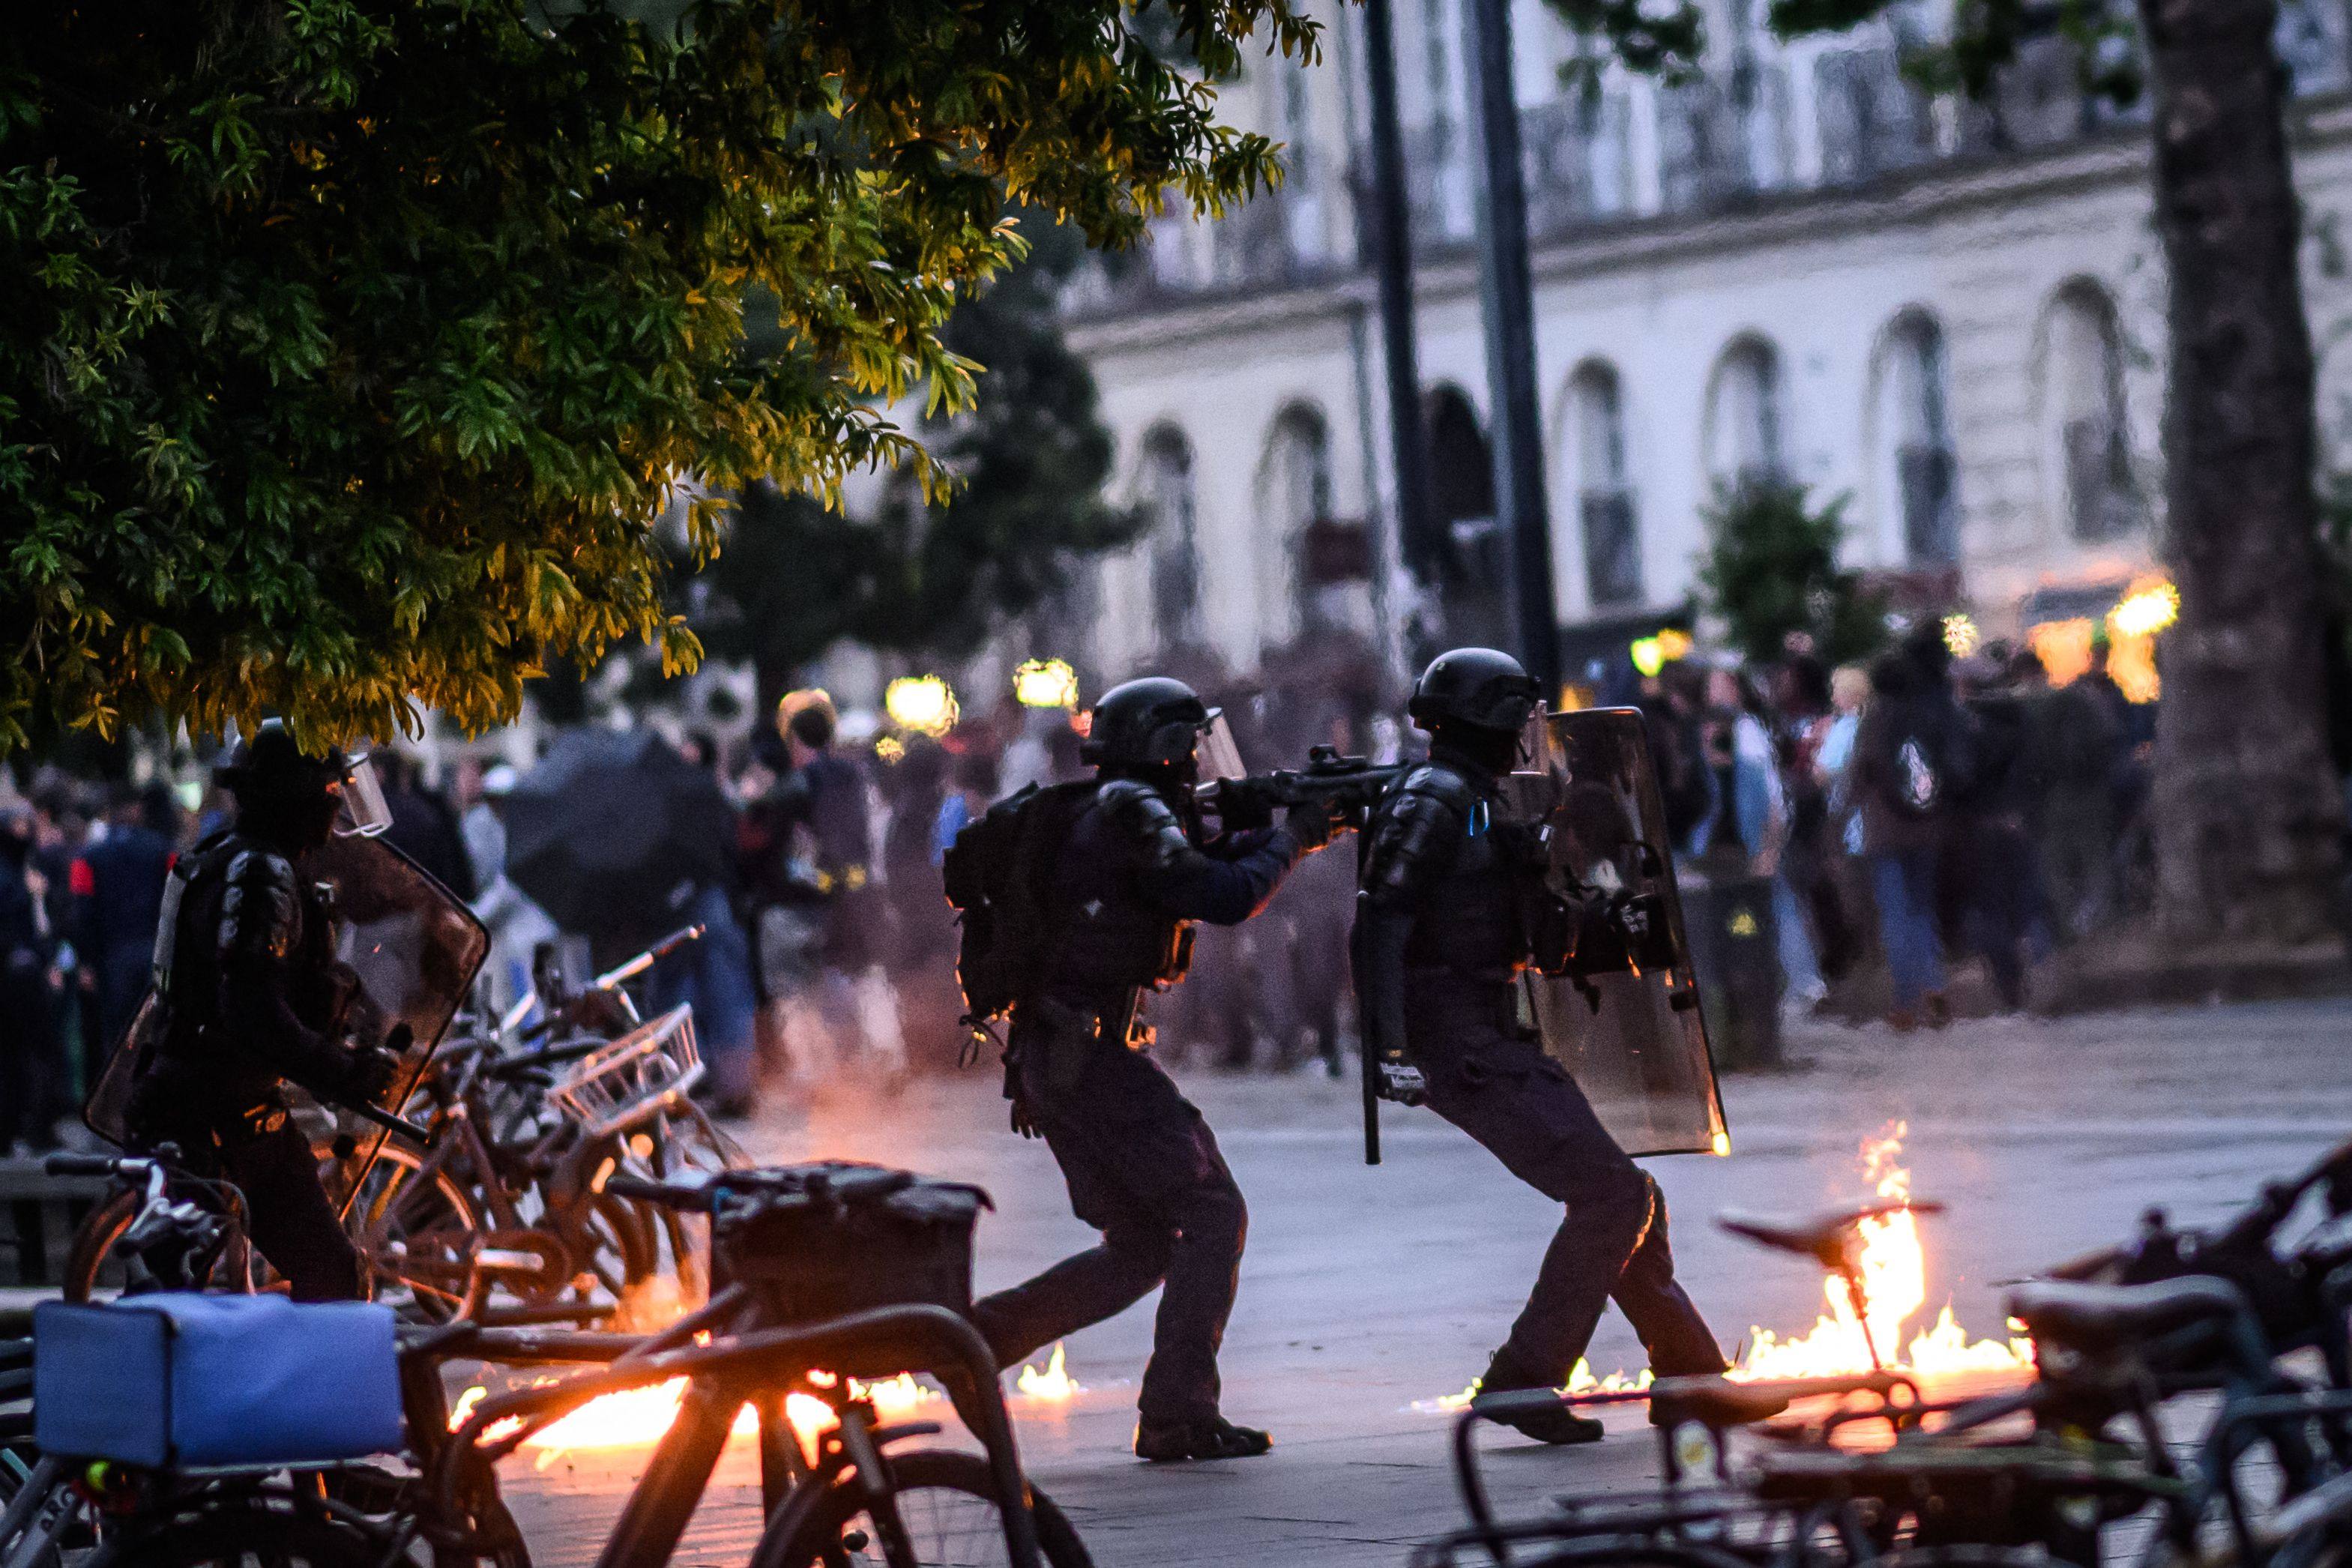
x=245 y=1534
x=420 y=1238
x=947 y=1502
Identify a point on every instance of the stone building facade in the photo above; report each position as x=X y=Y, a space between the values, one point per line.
x=1952 y=315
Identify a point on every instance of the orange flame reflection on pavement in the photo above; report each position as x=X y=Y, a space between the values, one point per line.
x=637 y=1417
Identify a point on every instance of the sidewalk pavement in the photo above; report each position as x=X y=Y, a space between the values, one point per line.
x=1366 y=1291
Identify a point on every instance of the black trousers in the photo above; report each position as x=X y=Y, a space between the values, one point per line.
x=287 y=1215
x=1143 y=1169
x=1612 y=1244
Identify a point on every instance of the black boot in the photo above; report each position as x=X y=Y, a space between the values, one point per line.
x=1215 y=1438
x=1556 y=1425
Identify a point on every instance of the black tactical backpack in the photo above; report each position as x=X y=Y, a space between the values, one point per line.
x=998 y=872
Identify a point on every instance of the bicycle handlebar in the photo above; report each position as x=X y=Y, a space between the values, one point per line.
x=645 y=960
x=90 y=1165
x=699 y=1199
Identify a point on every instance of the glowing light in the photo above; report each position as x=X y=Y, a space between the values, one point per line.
x=2063 y=648
x=1649 y=654
x=1722 y=1143
x=1045 y=683
x=1961 y=636
x=923 y=703
x=1894 y=1282
x=2131 y=664
x=2152 y=605
x=1674 y=643
x=637 y=1417
x=1052 y=1383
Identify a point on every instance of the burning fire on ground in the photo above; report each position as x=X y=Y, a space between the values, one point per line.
x=637 y=1417
x=1895 y=1276
x=1894 y=1267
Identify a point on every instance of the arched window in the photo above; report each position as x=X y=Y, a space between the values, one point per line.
x=1604 y=489
x=2084 y=389
x=1321 y=558
x=1916 y=463
x=1172 y=539
x=1471 y=557
x=1744 y=419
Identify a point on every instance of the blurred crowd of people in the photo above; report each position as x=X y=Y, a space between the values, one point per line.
x=1914 y=814
x=1914 y=817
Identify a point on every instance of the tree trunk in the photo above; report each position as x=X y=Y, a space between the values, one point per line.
x=2247 y=813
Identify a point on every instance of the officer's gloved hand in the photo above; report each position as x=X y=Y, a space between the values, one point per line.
x=1312 y=823
x=1023 y=1122
x=1241 y=809
x=374 y=1070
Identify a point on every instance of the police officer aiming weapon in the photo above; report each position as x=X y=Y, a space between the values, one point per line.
x=1352 y=787
x=1078 y=902
x=248 y=995
x=1456 y=900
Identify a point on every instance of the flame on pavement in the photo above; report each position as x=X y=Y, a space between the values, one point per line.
x=1895 y=1274
x=1053 y=1383
x=637 y=1417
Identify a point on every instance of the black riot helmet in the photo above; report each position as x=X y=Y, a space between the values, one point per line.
x=288 y=796
x=1477 y=687
x=1145 y=726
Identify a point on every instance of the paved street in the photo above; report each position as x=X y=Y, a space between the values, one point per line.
x=1367 y=1290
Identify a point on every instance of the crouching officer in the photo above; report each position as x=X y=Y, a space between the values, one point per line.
x=251 y=996
x=1127 y=868
x=1449 y=890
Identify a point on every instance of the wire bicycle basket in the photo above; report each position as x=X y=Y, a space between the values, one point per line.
x=644 y=1072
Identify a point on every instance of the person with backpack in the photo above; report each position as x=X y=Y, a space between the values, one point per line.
x=1078 y=901
x=1911 y=763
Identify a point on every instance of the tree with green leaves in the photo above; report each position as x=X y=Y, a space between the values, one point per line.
x=934 y=575
x=1771 y=569
x=350 y=354
x=2249 y=814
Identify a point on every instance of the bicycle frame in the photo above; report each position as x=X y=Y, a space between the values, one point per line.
x=756 y=1369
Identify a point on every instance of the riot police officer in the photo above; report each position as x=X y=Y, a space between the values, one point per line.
x=1443 y=913
x=250 y=996
x=1129 y=876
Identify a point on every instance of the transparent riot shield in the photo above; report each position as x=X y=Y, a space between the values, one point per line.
x=411 y=949
x=1634 y=1041
x=408 y=950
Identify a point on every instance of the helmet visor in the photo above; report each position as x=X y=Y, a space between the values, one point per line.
x=1220 y=756
x=363 y=813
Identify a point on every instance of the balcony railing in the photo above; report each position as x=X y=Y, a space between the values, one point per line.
x=1715 y=143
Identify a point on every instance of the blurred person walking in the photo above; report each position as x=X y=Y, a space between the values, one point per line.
x=2071 y=750
x=519 y=928
x=821 y=821
x=1911 y=761
x=424 y=826
x=923 y=929
x=31 y=1098
x=1989 y=863
x=1754 y=811
x=117 y=886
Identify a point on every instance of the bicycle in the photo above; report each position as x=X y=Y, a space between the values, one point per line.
x=861 y=1496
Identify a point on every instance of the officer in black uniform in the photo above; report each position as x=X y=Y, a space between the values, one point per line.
x=251 y=996
x=1136 y=871
x=1442 y=935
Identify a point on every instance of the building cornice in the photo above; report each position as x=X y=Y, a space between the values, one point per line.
x=1950 y=189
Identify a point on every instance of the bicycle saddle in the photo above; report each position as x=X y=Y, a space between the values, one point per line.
x=2099 y=1318
x=1825 y=1238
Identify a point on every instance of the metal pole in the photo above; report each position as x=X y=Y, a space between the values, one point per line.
x=1507 y=300
x=1391 y=260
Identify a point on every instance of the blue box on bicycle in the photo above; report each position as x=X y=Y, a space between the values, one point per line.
x=176 y=1380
